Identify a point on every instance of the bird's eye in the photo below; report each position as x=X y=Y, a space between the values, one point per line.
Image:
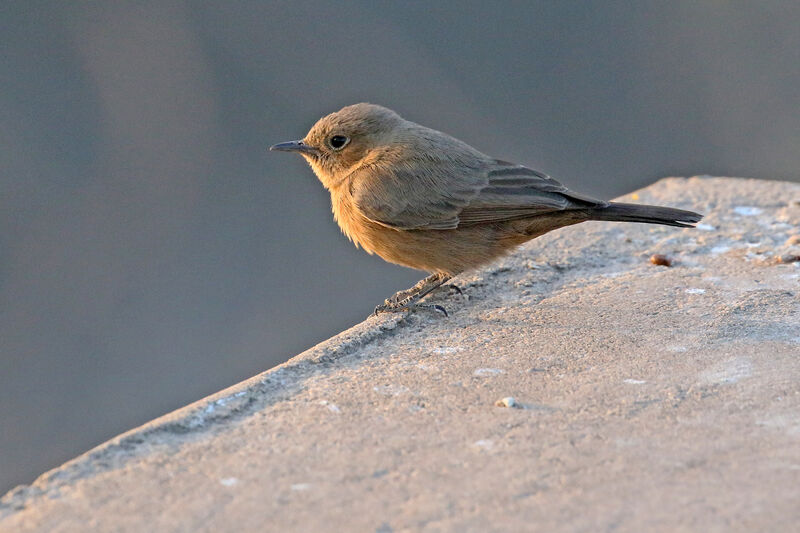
x=337 y=142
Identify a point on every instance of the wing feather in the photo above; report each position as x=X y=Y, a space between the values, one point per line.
x=432 y=195
x=515 y=191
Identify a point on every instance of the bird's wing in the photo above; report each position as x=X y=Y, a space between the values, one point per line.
x=514 y=192
x=440 y=197
x=427 y=194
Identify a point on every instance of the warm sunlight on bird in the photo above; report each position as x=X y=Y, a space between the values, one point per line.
x=420 y=198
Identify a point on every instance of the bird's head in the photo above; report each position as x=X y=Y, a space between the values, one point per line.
x=347 y=139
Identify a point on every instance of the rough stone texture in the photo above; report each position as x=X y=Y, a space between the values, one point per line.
x=645 y=398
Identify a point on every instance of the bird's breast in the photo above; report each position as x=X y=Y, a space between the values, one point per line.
x=450 y=251
x=351 y=222
x=392 y=245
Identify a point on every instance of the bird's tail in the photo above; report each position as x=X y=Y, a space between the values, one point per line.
x=648 y=214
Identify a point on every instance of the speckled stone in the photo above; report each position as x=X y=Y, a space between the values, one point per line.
x=652 y=399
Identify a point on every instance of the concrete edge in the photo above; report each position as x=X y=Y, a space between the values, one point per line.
x=228 y=404
x=203 y=415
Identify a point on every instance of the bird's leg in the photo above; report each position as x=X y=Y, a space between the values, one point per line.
x=410 y=297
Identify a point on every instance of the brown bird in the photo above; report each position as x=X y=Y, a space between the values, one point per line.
x=420 y=198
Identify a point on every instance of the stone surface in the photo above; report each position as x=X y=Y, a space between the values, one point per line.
x=646 y=397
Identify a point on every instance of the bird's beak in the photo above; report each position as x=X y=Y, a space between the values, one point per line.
x=294 y=146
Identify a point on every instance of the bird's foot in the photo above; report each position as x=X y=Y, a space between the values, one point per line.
x=390 y=308
x=410 y=298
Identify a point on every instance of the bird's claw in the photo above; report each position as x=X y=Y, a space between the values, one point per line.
x=434 y=307
x=456 y=288
x=388 y=307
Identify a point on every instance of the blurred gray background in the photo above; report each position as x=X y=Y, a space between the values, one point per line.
x=152 y=251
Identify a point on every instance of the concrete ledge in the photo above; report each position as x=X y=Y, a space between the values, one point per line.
x=645 y=397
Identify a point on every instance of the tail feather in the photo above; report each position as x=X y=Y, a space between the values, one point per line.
x=648 y=214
